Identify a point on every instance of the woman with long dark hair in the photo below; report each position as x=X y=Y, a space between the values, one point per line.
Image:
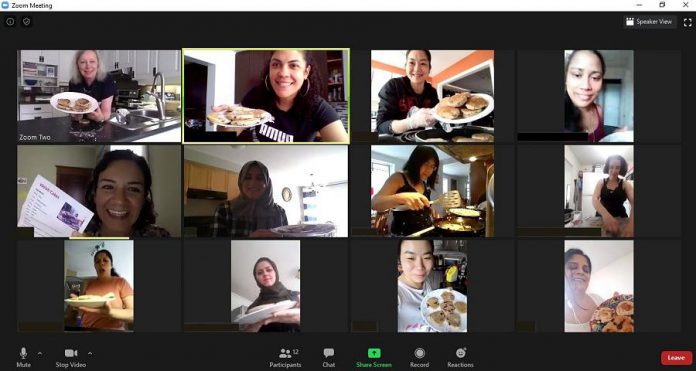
x=120 y=195
x=584 y=79
x=410 y=189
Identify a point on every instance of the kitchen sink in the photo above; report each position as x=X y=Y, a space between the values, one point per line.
x=138 y=119
x=154 y=114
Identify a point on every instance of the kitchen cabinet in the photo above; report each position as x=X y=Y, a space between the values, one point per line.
x=38 y=111
x=145 y=61
x=198 y=176
x=40 y=56
x=65 y=61
x=232 y=186
x=125 y=59
x=169 y=64
x=109 y=58
x=218 y=180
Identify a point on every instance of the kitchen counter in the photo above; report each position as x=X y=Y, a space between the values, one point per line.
x=596 y=222
x=58 y=130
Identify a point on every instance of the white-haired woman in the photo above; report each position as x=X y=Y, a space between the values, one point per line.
x=89 y=77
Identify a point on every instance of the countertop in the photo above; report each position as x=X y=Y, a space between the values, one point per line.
x=58 y=130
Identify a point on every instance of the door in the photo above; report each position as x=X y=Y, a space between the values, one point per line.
x=612 y=104
x=73 y=181
x=195 y=90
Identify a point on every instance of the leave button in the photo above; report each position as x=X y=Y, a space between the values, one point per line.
x=677 y=358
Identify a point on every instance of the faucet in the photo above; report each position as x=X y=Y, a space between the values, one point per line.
x=159 y=98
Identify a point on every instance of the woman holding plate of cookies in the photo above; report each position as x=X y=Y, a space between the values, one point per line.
x=405 y=102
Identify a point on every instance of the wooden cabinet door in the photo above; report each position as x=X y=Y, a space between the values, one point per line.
x=199 y=177
x=218 y=180
x=232 y=186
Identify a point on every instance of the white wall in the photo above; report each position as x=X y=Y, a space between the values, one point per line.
x=615 y=277
x=223 y=78
x=165 y=165
x=244 y=253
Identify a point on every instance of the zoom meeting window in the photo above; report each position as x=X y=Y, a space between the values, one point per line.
x=304 y=190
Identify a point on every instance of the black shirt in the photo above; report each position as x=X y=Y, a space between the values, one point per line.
x=99 y=90
x=296 y=125
x=397 y=97
x=613 y=200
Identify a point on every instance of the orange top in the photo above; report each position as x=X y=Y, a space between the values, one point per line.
x=117 y=285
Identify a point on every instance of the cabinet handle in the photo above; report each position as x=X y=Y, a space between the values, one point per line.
x=37 y=108
x=154 y=71
x=37 y=117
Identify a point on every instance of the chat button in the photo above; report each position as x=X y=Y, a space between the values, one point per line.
x=329 y=353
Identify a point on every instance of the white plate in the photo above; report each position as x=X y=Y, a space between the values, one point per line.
x=425 y=311
x=306 y=230
x=618 y=137
x=95 y=303
x=481 y=115
x=264 y=311
x=264 y=119
x=73 y=96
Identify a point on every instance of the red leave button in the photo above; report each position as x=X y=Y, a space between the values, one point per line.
x=677 y=358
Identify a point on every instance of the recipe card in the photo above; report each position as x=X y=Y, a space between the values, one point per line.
x=52 y=212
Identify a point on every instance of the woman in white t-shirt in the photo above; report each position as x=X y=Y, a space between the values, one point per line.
x=414 y=282
x=579 y=305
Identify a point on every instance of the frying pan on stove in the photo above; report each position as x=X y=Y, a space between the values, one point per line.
x=465 y=131
x=459 y=226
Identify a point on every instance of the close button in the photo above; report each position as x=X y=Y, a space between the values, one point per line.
x=677 y=358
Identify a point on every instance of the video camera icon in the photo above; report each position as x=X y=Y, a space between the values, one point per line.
x=5 y=5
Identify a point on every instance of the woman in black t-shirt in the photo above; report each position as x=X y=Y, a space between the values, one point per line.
x=89 y=77
x=610 y=194
x=400 y=94
x=290 y=93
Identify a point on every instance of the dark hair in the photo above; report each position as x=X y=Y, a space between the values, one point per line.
x=572 y=252
x=306 y=97
x=418 y=157
x=572 y=113
x=624 y=164
x=111 y=259
x=272 y=263
x=427 y=54
x=147 y=213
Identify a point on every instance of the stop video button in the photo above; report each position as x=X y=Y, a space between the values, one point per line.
x=677 y=358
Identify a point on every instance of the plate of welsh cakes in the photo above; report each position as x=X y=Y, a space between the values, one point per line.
x=444 y=310
x=74 y=103
x=463 y=108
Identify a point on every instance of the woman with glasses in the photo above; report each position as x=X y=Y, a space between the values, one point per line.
x=410 y=190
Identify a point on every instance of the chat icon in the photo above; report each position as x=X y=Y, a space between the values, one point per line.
x=328 y=352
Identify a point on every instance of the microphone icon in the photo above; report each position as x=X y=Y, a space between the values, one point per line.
x=23 y=353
